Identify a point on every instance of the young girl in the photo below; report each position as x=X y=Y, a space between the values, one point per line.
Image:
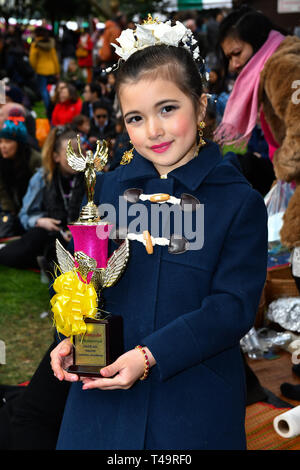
x=188 y=306
x=52 y=200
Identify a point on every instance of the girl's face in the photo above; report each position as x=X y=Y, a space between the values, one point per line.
x=238 y=53
x=161 y=121
x=64 y=94
x=8 y=148
x=60 y=158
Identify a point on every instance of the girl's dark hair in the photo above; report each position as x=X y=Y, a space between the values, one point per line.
x=173 y=63
x=247 y=24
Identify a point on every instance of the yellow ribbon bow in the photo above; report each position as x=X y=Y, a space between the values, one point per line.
x=74 y=301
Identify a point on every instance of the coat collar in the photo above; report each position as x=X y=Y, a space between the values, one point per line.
x=190 y=175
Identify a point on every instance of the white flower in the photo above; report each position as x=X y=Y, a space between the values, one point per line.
x=153 y=33
x=144 y=36
x=181 y=29
x=161 y=29
x=196 y=54
x=127 y=42
x=127 y=39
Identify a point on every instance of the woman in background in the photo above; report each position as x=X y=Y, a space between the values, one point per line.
x=18 y=161
x=67 y=106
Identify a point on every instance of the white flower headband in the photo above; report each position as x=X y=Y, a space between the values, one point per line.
x=152 y=33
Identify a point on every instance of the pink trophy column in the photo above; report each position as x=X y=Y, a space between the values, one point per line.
x=92 y=240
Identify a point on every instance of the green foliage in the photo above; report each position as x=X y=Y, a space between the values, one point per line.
x=143 y=7
x=18 y=8
x=66 y=10
x=50 y=9
x=26 y=334
x=57 y=10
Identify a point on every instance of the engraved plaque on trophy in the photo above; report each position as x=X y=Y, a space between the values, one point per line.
x=102 y=344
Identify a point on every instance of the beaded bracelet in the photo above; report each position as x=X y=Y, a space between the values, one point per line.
x=147 y=364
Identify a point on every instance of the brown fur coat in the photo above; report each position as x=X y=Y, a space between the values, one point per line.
x=279 y=82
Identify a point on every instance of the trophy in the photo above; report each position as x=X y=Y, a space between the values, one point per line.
x=97 y=336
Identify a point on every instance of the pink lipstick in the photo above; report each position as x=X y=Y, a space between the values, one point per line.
x=163 y=147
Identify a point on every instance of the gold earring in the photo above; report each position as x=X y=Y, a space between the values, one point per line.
x=200 y=127
x=127 y=156
x=201 y=142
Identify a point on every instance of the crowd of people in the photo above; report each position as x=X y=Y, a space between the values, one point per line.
x=67 y=76
x=239 y=96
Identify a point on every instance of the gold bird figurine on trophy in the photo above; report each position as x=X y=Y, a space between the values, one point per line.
x=90 y=164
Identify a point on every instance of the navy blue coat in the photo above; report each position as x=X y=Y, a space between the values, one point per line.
x=190 y=309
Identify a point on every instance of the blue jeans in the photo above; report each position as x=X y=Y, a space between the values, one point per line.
x=43 y=82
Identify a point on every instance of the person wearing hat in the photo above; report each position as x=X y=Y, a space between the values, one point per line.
x=11 y=108
x=18 y=162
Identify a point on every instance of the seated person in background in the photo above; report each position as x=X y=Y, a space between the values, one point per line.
x=218 y=91
x=23 y=96
x=81 y=125
x=119 y=145
x=107 y=83
x=110 y=87
x=53 y=200
x=92 y=92
x=103 y=125
x=18 y=161
x=74 y=75
x=17 y=109
x=68 y=105
x=13 y=94
x=54 y=93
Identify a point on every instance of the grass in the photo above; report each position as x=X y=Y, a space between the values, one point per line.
x=40 y=110
x=26 y=334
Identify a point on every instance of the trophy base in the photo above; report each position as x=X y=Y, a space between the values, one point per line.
x=101 y=345
x=85 y=371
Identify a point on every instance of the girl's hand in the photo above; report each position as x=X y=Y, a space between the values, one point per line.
x=61 y=359
x=48 y=223
x=122 y=373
